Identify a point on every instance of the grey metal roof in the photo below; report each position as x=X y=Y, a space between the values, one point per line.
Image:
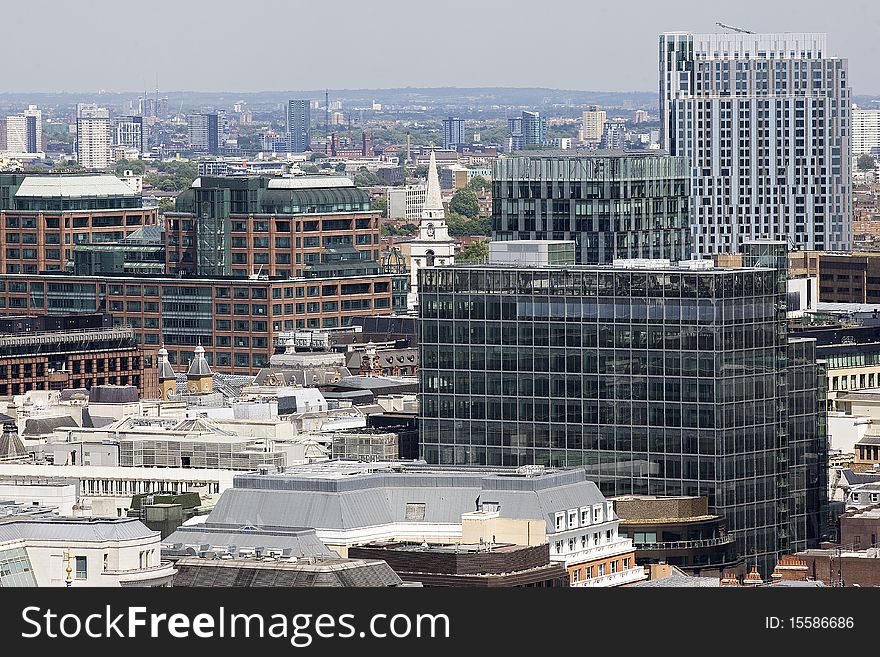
x=73 y=186
x=95 y=421
x=310 y=182
x=199 y=367
x=331 y=499
x=11 y=447
x=97 y=530
x=347 y=573
x=869 y=439
x=299 y=541
x=39 y=426
x=111 y=394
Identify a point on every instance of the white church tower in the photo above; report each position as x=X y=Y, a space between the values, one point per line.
x=433 y=245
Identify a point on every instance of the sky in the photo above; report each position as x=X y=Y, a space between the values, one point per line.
x=277 y=45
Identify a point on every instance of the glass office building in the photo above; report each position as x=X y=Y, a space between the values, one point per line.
x=657 y=378
x=612 y=204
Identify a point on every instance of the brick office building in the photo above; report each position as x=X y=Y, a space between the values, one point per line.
x=43 y=217
x=241 y=260
x=42 y=353
x=235 y=320
x=287 y=227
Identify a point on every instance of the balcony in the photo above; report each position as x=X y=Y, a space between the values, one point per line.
x=686 y=545
x=628 y=576
x=619 y=546
x=141 y=576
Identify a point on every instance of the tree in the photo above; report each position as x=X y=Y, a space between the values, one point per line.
x=388 y=230
x=317 y=155
x=465 y=202
x=166 y=205
x=380 y=203
x=366 y=178
x=421 y=171
x=137 y=167
x=308 y=168
x=866 y=162
x=340 y=168
x=479 y=184
x=476 y=251
x=401 y=158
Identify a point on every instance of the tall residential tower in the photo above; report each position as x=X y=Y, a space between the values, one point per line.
x=765 y=121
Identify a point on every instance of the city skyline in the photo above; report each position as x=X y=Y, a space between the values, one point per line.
x=130 y=60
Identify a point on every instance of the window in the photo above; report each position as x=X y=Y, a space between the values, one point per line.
x=558 y=547
x=626 y=564
x=601 y=569
x=81 y=569
x=576 y=575
x=608 y=535
x=571 y=545
x=415 y=511
x=584 y=541
x=585 y=517
x=572 y=519
x=560 y=522
x=588 y=572
x=596 y=538
x=614 y=565
x=597 y=514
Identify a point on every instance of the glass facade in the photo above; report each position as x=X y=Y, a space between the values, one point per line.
x=657 y=381
x=613 y=205
x=15 y=568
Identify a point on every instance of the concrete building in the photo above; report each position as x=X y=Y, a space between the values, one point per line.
x=612 y=204
x=106 y=490
x=203 y=131
x=406 y=202
x=87 y=552
x=765 y=121
x=299 y=132
x=129 y=131
x=865 y=131
x=570 y=366
x=453 y=133
x=613 y=135
x=93 y=137
x=592 y=124
x=24 y=133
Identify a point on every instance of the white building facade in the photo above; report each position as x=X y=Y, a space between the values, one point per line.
x=865 y=131
x=433 y=245
x=765 y=120
x=93 y=137
x=79 y=552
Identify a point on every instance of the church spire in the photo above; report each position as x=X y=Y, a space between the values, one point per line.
x=433 y=208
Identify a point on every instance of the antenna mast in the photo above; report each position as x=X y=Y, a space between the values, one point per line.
x=735 y=29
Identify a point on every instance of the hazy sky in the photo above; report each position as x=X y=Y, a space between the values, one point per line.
x=262 y=45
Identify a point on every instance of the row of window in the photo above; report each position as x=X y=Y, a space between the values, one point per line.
x=598 y=514
x=584 y=541
x=602 y=569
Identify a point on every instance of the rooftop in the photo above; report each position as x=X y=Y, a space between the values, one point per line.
x=90 y=530
x=74 y=186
